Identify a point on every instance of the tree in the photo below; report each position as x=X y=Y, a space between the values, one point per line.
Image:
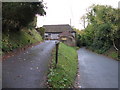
x=16 y=15
x=102 y=30
x=41 y=30
x=83 y=18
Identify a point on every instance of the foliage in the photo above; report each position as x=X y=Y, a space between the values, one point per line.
x=63 y=75
x=41 y=30
x=16 y=15
x=102 y=29
x=18 y=24
x=13 y=40
x=112 y=53
x=78 y=37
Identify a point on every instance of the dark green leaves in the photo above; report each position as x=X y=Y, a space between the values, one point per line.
x=102 y=28
x=19 y=14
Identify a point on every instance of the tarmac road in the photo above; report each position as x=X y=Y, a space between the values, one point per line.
x=28 y=69
x=96 y=71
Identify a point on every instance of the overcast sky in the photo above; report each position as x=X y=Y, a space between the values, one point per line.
x=61 y=11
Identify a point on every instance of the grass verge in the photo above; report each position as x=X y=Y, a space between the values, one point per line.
x=112 y=53
x=18 y=39
x=64 y=74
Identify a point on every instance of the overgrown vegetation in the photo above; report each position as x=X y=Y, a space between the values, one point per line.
x=16 y=15
x=64 y=74
x=13 y=40
x=102 y=31
x=41 y=30
x=18 y=24
x=112 y=53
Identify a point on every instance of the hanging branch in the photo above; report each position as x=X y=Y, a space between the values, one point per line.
x=115 y=46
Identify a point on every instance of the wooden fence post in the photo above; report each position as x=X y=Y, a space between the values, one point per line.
x=56 y=59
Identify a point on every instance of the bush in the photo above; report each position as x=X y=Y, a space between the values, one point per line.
x=41 y=30
x=13 y=40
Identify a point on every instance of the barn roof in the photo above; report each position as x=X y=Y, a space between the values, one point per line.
x=57 y=28
x=66 y=33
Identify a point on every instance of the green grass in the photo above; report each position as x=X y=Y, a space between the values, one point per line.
x=64 y=74
x=112 y=53
x=76 y=48
x=13 y=40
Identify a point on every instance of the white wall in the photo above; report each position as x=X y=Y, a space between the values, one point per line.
x=51 y=35
x=73 y=34
x=54 y=36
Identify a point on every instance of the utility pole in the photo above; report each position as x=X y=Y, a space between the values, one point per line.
x=83 y=18
x=57 y=47
x=84 y=23
x=70 y=21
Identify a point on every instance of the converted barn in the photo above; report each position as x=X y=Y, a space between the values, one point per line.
x=63 y=33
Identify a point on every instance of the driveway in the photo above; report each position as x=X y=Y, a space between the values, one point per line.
x=96 y=71
x=28 y=69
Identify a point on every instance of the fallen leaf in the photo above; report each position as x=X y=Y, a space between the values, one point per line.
x=31 y=68
x=37 y=67
x=79 y=86
x=78 y=75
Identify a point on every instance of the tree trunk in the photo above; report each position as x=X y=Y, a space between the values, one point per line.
x=115 y=45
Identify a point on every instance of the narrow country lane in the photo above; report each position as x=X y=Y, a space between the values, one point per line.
x=28 y=69
x=96 y=71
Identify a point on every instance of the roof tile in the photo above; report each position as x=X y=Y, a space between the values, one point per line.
x=57 y=28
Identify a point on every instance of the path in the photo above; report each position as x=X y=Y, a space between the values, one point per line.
x=28 y=69
x=96 y=71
